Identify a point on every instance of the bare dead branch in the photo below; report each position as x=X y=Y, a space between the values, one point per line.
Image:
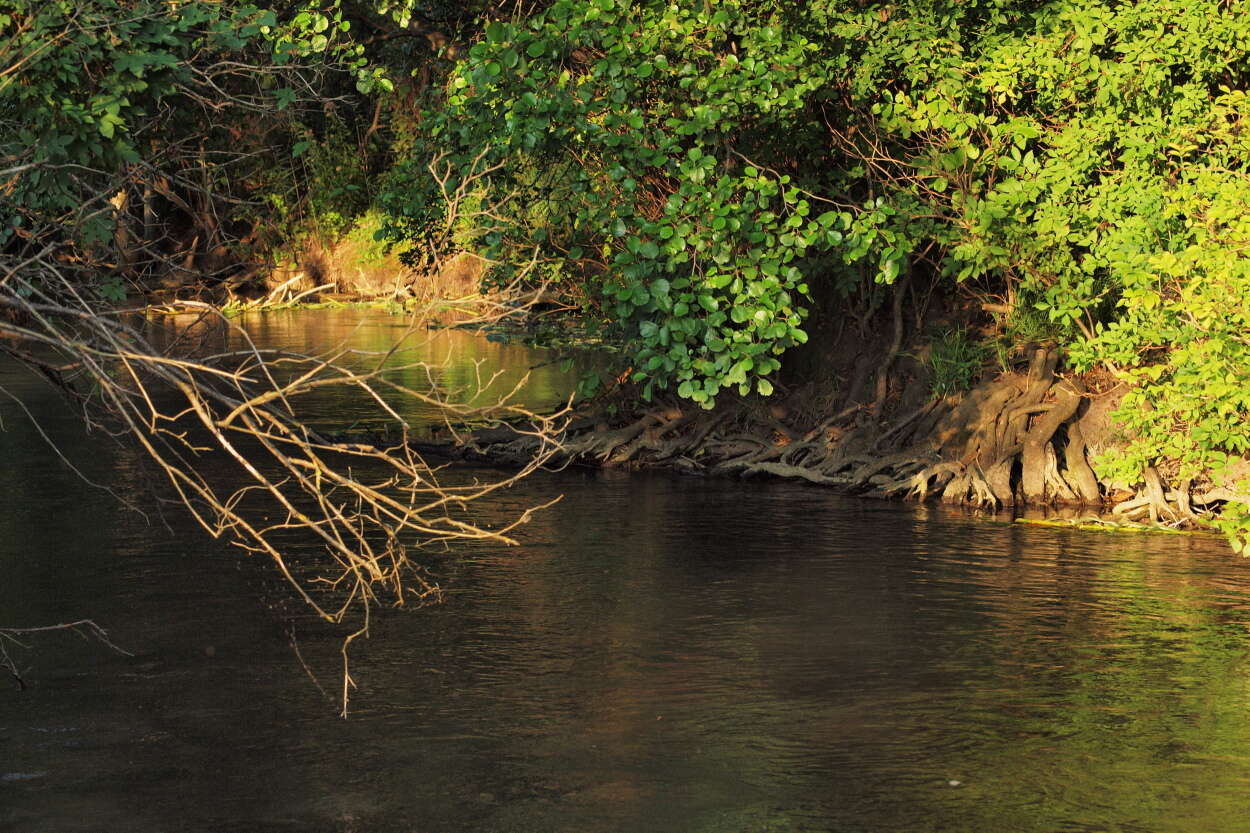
x=368 y=508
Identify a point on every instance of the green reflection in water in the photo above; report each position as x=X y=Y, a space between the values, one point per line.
x=466 y=368
x=1113 y=697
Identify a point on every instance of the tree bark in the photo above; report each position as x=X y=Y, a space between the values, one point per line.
x=1080 y=475
x=896 y=344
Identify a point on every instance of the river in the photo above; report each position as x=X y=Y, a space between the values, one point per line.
x=659 y=655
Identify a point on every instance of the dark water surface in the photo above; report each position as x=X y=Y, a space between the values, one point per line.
x=661 y=654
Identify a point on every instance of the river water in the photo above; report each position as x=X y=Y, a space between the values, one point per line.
x=660 y=654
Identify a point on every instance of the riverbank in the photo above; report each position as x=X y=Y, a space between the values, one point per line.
x=1026 y=438
x=334 y=276
x=1028 y=433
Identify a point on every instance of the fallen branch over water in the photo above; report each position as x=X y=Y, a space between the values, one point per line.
x=190 y=393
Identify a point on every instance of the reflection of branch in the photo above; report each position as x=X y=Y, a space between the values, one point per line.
x=366 y=508
x=83 y=627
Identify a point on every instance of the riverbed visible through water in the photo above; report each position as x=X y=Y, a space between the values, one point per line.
x=661 y=654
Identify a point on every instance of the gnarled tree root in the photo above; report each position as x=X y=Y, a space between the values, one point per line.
x=1014 y=441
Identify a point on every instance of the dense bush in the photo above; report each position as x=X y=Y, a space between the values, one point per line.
x=639 y=130
x=134 y=132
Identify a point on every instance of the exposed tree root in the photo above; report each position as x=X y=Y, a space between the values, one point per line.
x=1172 y=508
x=1017 y=440
x=919 y=485
x=793 y=472
x=1079 y=474
x=1039 y=466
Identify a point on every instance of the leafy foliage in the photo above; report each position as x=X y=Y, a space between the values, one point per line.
x=632 y=116
x=99 y=96
x=706 y=167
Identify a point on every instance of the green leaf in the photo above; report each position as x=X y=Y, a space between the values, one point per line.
x=889 y=271
x=496 y=31
x=113 y=290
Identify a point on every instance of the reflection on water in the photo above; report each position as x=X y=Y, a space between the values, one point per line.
x=466 y=368
x=662 y=654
